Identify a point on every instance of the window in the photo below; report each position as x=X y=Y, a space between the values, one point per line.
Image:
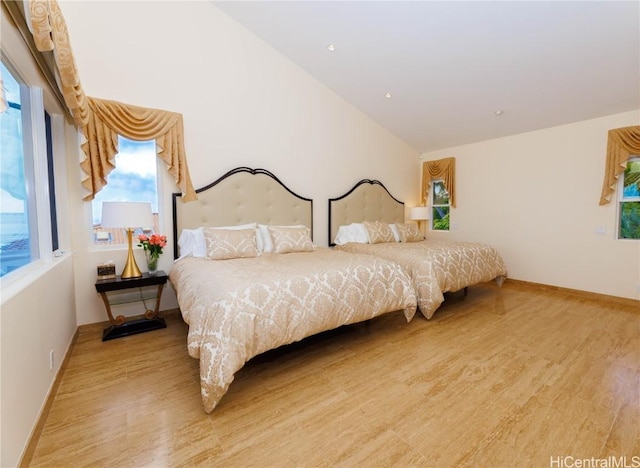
x=134 y=179
x=629 y=197
x=440 y=206
x=25 y=201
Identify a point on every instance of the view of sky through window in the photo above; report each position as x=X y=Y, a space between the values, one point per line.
x=134 y=179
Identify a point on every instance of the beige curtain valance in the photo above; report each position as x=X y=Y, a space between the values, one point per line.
x=108 y=119
x=621 y=144
x=442 y=169
x=50 y=34
x=101 y=121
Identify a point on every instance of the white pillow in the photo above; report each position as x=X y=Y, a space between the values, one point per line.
x=265 y=244
x=354 y=232
x=193 y=244
x=259 y=241
x=394 y=230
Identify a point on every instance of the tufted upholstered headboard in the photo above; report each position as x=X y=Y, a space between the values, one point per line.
x=368 y=200
x=243 y=195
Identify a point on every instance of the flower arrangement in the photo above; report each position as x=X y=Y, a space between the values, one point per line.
x=152 y=246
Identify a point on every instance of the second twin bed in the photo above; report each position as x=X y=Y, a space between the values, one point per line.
x=361 y=221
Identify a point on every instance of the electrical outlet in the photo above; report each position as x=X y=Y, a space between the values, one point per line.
x=601 y=230
x=51 y=360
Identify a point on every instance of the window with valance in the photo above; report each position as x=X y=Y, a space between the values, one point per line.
x=622 y=173
x=622 y=143
x=441 y=169
x=438 y=191
x=101 y=121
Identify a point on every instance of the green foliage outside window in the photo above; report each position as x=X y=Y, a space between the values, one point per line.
x=439 y=206
x=440 y=218
x=629 y=204
x=630 y=220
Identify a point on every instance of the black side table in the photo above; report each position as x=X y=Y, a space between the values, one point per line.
x=119 y=325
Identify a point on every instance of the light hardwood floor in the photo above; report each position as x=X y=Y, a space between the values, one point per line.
x=501 y=377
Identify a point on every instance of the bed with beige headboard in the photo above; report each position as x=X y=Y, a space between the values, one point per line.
x=367 y=219
x=368 y=200
x=242 y=195
x=246 y=289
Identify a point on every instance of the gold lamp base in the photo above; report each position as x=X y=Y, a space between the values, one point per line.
x=131 y=269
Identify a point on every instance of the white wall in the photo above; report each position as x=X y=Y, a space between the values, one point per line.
x=243 y=103
x=40 y=319
x=535 y=197
x=38 y=304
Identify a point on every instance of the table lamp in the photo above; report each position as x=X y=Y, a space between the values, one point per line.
x=419 y=213
x=128 y=215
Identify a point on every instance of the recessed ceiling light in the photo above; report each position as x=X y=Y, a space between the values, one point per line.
x=331 y=47
x=388 y=95
x=499 y=112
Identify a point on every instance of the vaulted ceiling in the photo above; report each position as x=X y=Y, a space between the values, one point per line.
x=461 y=72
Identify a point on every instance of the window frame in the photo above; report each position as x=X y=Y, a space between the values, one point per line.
x=433 y=205
x=622 y=199
x=51 y=178
x=38 y=142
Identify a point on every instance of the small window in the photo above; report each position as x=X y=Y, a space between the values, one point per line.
x=134 y=179
x=629 y=198
x=440 y=206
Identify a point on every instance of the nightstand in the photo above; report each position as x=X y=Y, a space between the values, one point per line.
x=149 y=287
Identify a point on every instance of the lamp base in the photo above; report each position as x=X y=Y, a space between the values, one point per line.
x=131 y=269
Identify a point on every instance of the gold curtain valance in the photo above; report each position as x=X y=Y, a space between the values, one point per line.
x=101 y=121
x=621 y=144
x=442 y=169
x=50 y=34
x=108 y=119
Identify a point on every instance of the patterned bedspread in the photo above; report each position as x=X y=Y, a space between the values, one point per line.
x=239 y=308
x=437 y=267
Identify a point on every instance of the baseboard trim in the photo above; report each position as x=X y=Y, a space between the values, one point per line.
x=30 y=449
x=584 y=294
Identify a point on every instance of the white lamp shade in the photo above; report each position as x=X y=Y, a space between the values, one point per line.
x=126 y=215
x=419 y=213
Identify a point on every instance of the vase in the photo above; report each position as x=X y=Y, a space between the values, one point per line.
x=152 y=263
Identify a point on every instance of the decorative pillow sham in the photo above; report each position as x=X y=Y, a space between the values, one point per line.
x=378 y=232
x=193 y=244
x=291 y=239
x=409 y=232
x=265 y=243
x=225 y=244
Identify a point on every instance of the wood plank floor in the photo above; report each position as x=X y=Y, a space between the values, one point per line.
x=507 y=376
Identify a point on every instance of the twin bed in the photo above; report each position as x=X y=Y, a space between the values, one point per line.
x=435 y=267
x=248 y=278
